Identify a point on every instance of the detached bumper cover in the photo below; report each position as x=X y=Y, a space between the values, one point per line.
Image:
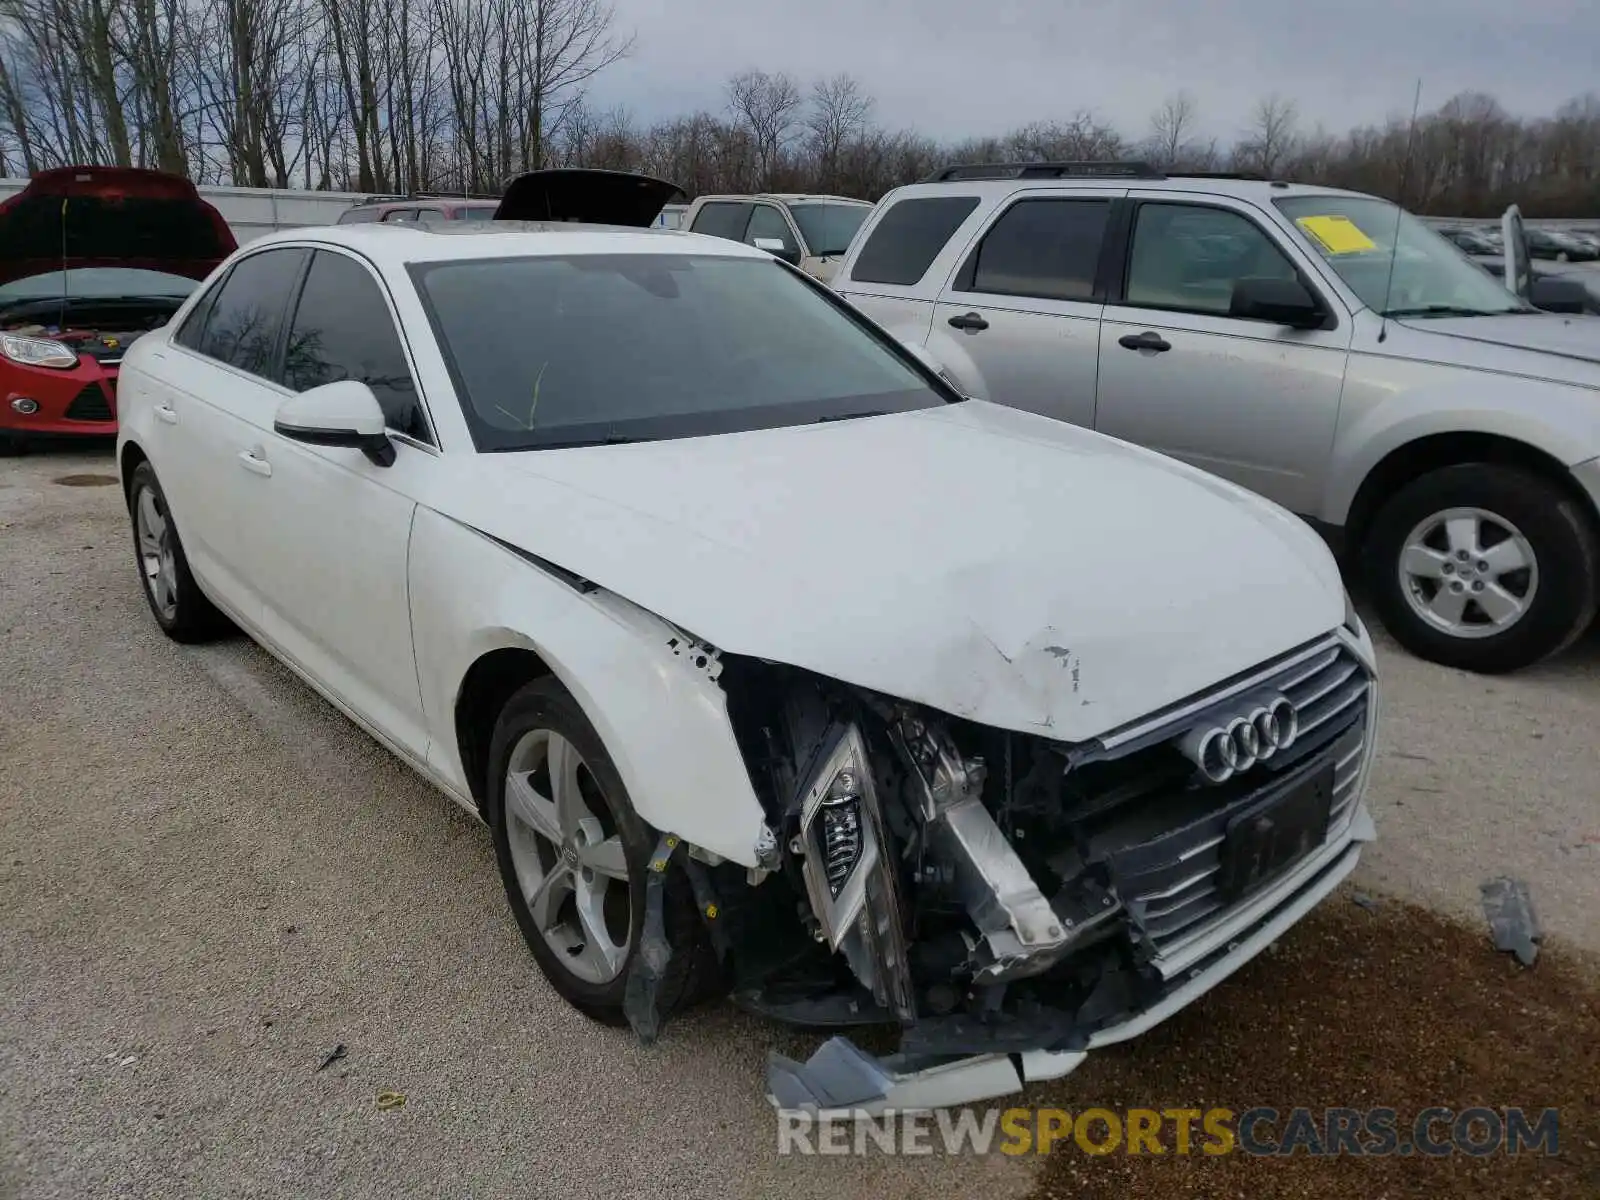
x=843 y=1080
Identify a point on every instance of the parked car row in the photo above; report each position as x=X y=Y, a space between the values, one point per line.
x=1555 y=245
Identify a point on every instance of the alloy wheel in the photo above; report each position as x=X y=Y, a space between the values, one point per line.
x=1468 y=572
x=158 y=563
x=570 y=863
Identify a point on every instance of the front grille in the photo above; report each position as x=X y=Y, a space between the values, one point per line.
x=1169 y=882
x=90 y=404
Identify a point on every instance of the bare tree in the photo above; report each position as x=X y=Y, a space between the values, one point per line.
x=1271 y=136
x=767 y=107
x=839 y=111
x=1171 y=128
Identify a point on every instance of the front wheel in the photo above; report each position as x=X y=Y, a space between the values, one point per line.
x=573 y=856
x=1483 y=567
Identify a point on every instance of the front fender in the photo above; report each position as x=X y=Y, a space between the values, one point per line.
x=1390 y=404
x=661 y=716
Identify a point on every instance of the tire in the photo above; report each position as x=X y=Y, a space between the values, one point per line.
x=176 y=601
x=590 y=972
x=1519 y=515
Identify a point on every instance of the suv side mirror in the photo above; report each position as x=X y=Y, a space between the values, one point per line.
x=1282 y=301
x=1559 y=296
x=342 y=413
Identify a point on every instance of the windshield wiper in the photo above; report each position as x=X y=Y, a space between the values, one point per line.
x=848 y=416
x=1450 y=310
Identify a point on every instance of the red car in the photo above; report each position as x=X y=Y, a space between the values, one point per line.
x=90 y=258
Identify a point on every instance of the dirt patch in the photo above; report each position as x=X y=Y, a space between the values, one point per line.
x=1390 y=1008
x=85 y=480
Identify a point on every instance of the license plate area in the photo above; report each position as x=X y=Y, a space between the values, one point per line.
x=1264 y=840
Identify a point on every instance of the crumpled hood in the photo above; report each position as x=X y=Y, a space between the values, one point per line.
x=987 y=562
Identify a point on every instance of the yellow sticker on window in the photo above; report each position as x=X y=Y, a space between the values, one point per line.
x=1337 y=235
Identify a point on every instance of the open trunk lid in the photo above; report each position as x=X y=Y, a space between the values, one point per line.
x=591 y=196
x=73 y=217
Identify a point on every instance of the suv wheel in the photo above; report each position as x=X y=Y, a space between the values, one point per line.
x=1484 y=567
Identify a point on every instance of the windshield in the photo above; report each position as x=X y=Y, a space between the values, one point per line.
x=588 y=349
x=828 y=228
x=97 y=283
x=1356 y=235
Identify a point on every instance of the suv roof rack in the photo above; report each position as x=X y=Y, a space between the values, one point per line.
x=1089 y=169
x=397 y=198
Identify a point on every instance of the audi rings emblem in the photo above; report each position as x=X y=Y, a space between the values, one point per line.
x=1225 y=745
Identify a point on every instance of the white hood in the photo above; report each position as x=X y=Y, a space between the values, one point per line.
x=986 y=562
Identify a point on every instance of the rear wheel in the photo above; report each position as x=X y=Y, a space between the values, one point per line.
x=1484 y=567
x=573 y=857
x=179 y=606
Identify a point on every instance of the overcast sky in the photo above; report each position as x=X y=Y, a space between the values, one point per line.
x=953 y=68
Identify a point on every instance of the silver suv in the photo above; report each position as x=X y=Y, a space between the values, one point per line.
x=1323 y=348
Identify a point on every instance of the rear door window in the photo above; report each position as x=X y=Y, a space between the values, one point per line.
x=246 y=318
x=1046 y=248
x=400 y=215
x=904 y=243
x=723 y=218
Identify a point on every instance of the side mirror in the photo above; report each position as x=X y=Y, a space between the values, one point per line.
x=342 y=413
x=1559 y=296
x=1282 y=301
x=1518 y=255
x=776 y=248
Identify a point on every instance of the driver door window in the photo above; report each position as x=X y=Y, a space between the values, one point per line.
x=769 y=225
x=1187 y=258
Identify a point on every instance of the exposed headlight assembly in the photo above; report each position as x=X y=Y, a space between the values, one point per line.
x=37 y=352
x=849 y=877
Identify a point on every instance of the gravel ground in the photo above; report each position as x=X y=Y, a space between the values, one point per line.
x=188 y=932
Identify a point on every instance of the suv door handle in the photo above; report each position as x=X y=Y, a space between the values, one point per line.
x=258 y=466
x=1148 y=340
x=971 y=320
x=165 y=412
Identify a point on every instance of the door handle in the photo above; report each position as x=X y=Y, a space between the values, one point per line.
x=971 y=320
x=1147 y=340
x=259 y=466
x=166 y=413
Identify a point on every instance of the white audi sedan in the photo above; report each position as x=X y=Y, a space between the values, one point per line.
x=775 y=666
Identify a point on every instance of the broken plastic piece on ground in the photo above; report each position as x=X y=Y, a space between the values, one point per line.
x=842 y=1080
x=387 y=1100
x=331 y=1057
x=1512 y=924
x=1364 y=900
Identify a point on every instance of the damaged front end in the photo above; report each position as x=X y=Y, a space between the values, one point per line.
x=1012 y=902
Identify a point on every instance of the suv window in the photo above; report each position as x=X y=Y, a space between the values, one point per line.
x=767 y=222
x=904 y=243
x=1189 y=256
x=351 y=216
x=342 y=330
x=244 y=320
x=724 y=219
x=400 y=214
x=1049 y=249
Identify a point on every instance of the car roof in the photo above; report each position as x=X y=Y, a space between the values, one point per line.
x=395 y=244
x=1259 y=190
x=788 y=197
